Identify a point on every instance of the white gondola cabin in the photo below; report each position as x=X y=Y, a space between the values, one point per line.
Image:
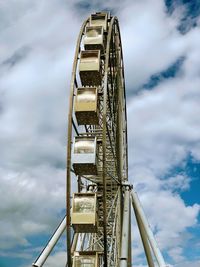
x=86 y=106
x=94 y=38
x=99 y=19
x=84 y=155
x=86 y=259
x=90 y=68
x=84 y=213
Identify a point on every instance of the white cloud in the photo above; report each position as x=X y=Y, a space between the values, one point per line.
x=29 y=202
x=180 y=182
x=153 y=43
x=188 y=264
x=176 y=254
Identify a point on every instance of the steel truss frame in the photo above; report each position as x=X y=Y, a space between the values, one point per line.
x=112 y=127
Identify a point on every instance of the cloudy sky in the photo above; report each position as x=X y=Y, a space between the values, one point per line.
x=161 y=44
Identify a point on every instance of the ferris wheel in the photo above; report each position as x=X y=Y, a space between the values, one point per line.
x=97 y=143
x=98 y=193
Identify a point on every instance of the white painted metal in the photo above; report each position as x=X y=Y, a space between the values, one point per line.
x=138 y=207
x=125 y=229
x=145 y=241
x=74 y=243
x=52 y=242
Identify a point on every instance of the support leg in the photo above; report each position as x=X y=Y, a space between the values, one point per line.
x=50 y=245
x=145 y=242
x=138 y=207
x=125 y=230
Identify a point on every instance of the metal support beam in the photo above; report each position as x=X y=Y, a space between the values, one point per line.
x=74 y=242
x=125 y=229
x=129 y=239
x=145 y=241
x=138 y=207
x=50 y=245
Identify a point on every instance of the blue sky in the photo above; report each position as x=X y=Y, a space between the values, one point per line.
x=161 y=45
